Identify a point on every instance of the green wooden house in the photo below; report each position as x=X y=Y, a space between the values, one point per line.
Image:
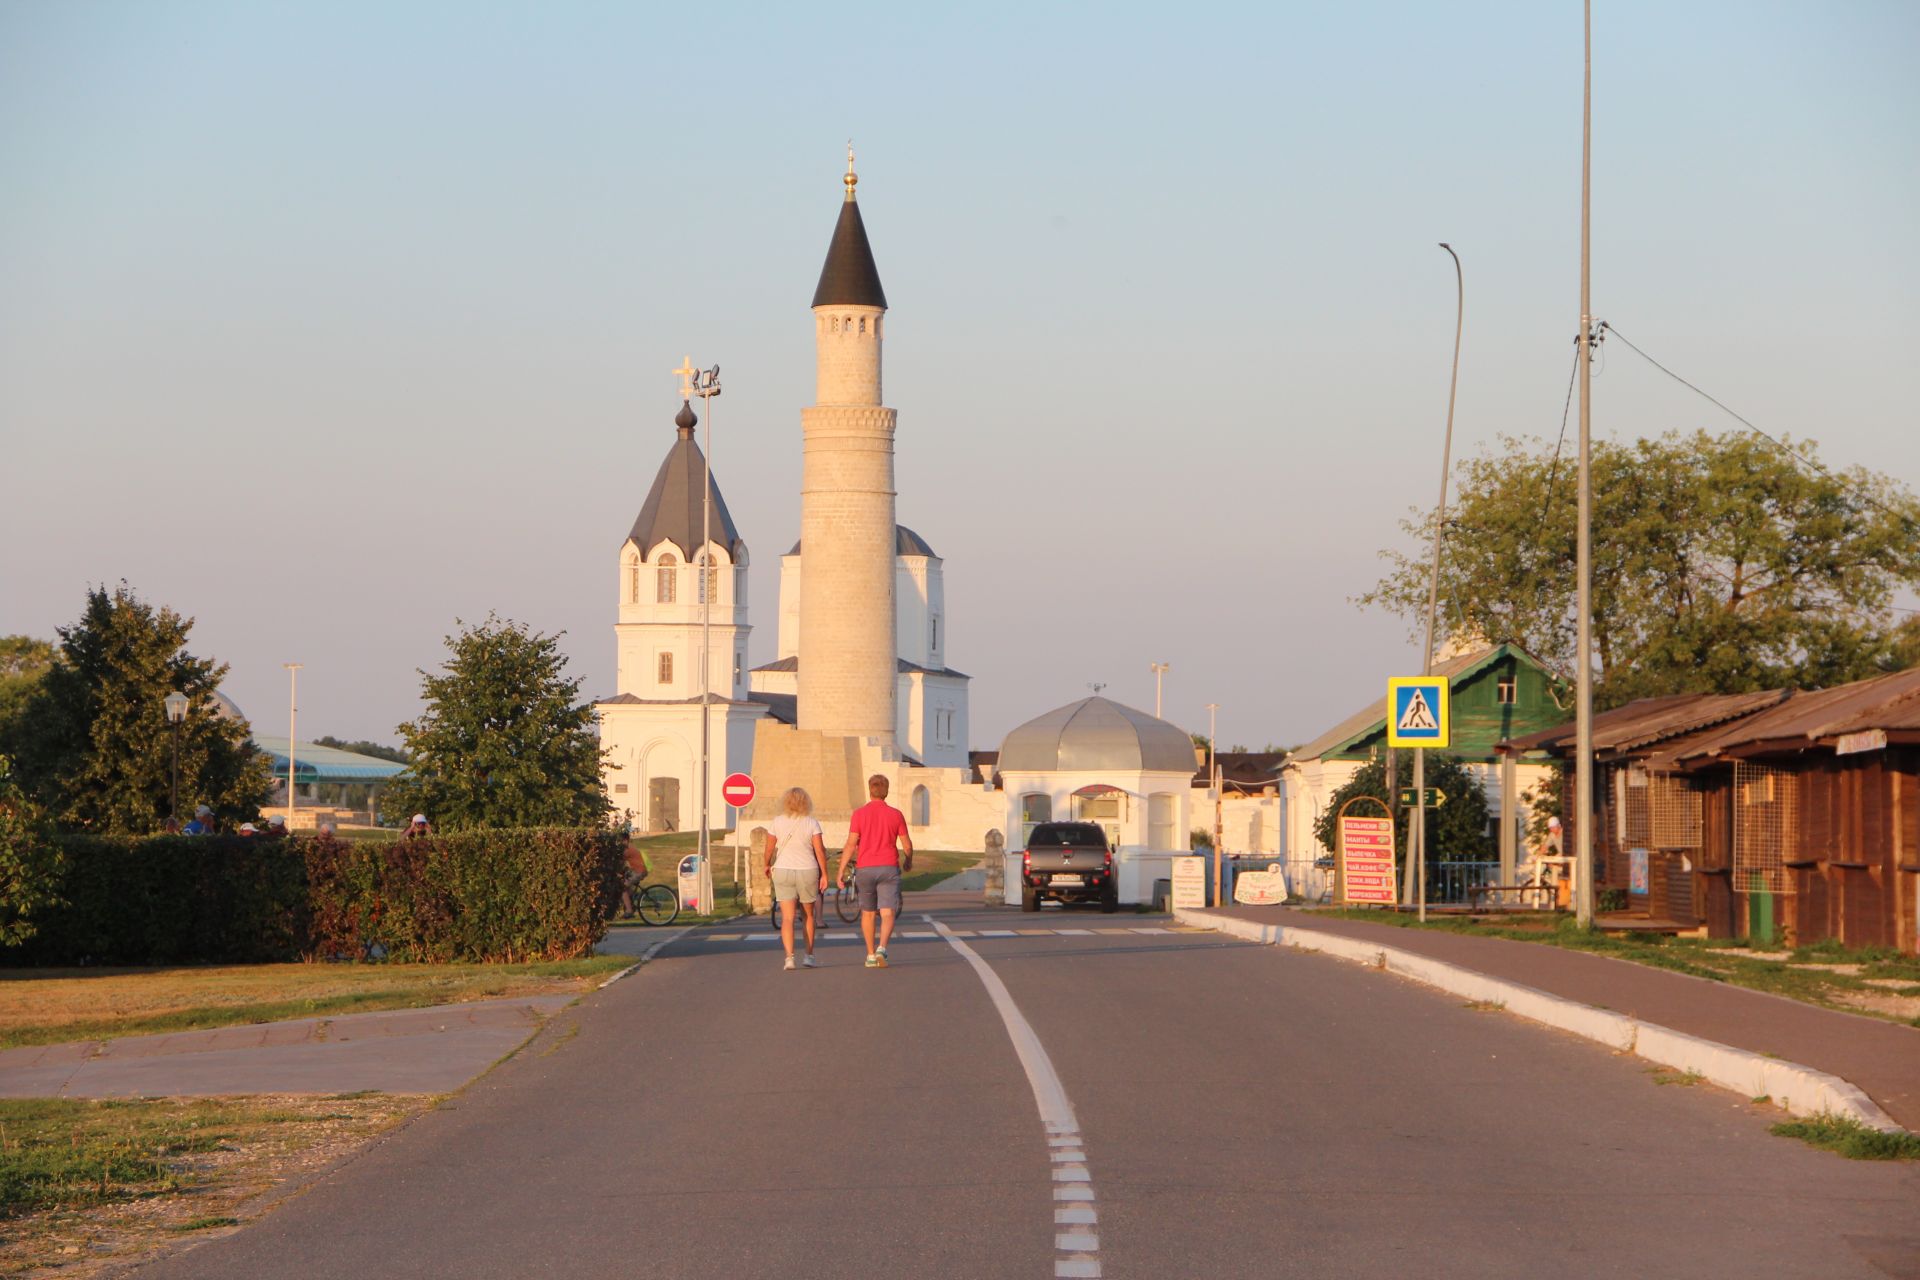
x=1497 y=691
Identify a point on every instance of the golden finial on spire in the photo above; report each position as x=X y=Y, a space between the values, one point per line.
x=852 y=179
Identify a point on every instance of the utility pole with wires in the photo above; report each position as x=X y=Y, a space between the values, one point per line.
x=1583 y=595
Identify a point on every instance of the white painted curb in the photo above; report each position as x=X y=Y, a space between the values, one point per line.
x=1801 y=1091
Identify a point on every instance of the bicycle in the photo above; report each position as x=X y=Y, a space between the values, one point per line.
x=654 y=904
x=846 y=901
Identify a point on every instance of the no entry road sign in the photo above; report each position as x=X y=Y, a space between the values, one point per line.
x=737 y=790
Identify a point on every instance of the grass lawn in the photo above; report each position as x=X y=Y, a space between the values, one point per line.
x=1872 y=980
x=84 y=1184
x=930 y=866
x=46 y=1006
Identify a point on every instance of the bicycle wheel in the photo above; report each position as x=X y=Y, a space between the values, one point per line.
x=657 y=904
x=846 y=903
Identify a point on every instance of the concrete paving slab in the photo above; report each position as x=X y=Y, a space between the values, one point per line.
x=430 y=1050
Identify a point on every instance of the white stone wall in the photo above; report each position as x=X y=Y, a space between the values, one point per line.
x=847 y=355
x=641 y=743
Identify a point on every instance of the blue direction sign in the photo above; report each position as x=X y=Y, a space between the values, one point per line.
x=1417 y=712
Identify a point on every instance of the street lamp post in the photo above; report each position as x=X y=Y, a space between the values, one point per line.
x=176 y=704
x=1160 y=669
x=1418 y=844
x=293 y=717
x=1213 y=780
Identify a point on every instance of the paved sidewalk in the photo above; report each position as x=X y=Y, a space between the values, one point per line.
x=428 y=1050
x=1882 y=1058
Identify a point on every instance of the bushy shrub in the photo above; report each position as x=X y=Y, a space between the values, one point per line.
x=481 y=896
x=30 y=864
x=499 y=895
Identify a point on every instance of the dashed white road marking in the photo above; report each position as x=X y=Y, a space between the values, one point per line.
x=1077 y=1251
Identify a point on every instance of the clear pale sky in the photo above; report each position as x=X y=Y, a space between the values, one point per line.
x=328 y=324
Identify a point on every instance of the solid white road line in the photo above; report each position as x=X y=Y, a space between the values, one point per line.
x=1077 y=1251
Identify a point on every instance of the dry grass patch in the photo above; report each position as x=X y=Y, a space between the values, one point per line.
x=47 y=1006
x=87 y=1186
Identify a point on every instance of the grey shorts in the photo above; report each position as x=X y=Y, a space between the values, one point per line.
x=793 y=885
x=878 y=887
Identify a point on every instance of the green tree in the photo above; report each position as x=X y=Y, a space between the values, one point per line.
x=1456 y=831
x=92 y=746
x=23 y=661
x=1720 y=564
x=504 y=741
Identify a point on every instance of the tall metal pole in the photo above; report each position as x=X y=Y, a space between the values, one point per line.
x=1213 y=786
x=293 y=716
x=1159 y=669
x=173 y=804
x=1418 y=845
x=1583 y=602
x=707 y=388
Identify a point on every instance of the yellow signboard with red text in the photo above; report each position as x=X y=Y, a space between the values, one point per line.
x=1366 y=861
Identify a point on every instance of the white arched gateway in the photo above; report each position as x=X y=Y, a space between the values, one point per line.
x=1099 y=761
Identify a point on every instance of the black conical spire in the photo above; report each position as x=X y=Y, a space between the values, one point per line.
x=849 y=275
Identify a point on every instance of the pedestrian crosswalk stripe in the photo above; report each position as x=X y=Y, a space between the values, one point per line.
x=919 y=935
x=1155 y=930
x=997 y=933
x=1075 y=933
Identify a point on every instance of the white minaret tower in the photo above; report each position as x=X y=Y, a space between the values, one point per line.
x=847 y=652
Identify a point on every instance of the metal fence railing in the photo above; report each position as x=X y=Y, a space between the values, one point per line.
x=1312 y=879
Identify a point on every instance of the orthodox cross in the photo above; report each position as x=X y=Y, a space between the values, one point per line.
x=686 y=373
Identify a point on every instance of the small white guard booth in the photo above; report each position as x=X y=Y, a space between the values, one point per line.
x=1099 y=761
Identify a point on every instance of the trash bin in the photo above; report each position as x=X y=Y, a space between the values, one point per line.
x=1162 y=894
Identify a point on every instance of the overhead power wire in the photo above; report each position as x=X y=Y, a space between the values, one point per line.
x=1553 y=472
x=1779 y=444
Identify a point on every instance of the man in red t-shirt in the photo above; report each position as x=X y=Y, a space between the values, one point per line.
x=877 y=828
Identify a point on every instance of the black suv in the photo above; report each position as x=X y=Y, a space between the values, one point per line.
x=1068 y=862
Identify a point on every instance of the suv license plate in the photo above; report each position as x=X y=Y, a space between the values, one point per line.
x=1074 y=879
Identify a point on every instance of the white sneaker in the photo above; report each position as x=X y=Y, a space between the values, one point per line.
x=789 y=964
x=808 y=962
x=882 y=953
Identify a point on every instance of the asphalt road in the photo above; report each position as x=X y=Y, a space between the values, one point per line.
x=1235 y=1111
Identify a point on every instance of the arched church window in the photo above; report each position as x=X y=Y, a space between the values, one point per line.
x=876 y=326
x=709 y=581
x=633 y=582
x=666 y=668
x=846 y=324
x=863 y=324
x=664 y=585
x=922 y=807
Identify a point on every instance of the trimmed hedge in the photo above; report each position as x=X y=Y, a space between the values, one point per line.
x=478 y=896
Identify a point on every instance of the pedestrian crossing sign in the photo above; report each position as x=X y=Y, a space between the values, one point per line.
x=1417 y=712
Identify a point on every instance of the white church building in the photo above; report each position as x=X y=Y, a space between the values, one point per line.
x=860 y=683
x=650 y=731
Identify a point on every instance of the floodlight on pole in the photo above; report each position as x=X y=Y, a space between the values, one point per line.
x=706 y=384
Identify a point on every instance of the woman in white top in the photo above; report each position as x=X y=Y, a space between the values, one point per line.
x=797 y=865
